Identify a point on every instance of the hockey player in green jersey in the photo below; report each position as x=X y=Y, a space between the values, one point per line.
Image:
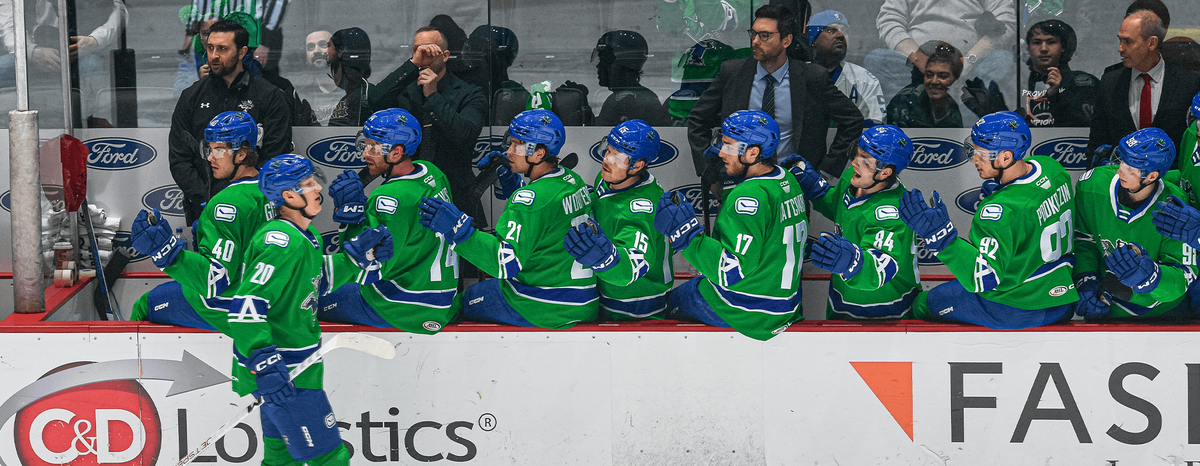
x=418 y=290
x=750 y=267
x=273 y=318
x=1188 y=175
x=537 y=282
x=197 y=297
x=1015 y=270
x=634 y=263
x=873 y=260
x=1114 y=232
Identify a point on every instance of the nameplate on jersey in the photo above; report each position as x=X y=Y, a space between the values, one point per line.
x=277 y=238
x=643 y=206
x=386 y=204
x=887 y=212
x=523 y=196
x=225 y=212
x=746 y=205
x=991 y=212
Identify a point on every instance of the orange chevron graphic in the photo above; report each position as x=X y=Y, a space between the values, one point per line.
x=892 y=384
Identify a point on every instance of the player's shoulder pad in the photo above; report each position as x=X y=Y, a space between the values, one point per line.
x=277 y=238
x=225 y=212
x=992 y=211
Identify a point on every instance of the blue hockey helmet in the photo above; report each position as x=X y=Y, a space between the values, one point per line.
x=391 y=127
x=888 y=144
x=284 y=173
x=538 y=126
x=998 y=132
x=1194 y=111
x=233 y=127
x=1148 y=150
x=752 y=128
x=634 y=138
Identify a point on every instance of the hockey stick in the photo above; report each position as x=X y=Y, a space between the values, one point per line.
x=373 y=346
x=103 y=305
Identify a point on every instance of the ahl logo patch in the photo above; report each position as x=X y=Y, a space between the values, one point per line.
x=386 y=204
x=225 y=212
x=991 y=212
x=641 y=206
x=887 y=212
x=746 y=205
x=277 y=238
x=1058 y=291
x=432 y=325
x=524 y=196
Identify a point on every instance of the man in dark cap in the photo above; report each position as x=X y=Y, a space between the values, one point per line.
x=349 y=53
x=619 y=56
x=1056 y=95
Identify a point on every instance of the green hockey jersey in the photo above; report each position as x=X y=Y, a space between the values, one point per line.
x=1019 y=251
x=751 y=263
x=637 y=286
x=1187 y=177
x=1103 y=222
x=537 y=276
x=276 y=303
x=418 y=288
x=889 y=279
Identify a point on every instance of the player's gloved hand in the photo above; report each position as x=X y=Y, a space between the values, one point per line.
x=838 y=255
x=932 y=224
x=989 y=186
x=1103 y=155
x=1137 y=270
x=712 y=152
x=811 y=181
x=507 y=182
x=590 y=247
x=156 y=241
x=271 y=375
x=676 y=219
x=982 y=100
x=443 y=217
x=1093 y=302
x=1178 y=221
x=349 y=200
x=573 y=85
x=370 y=248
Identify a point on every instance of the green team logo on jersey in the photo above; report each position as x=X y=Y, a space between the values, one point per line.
x=746 y=205
x=524 y=196
x=641 y=206
x=991 y=212
x=386 y=204
x=887 y=212
x=277 y=238
x=225 y=212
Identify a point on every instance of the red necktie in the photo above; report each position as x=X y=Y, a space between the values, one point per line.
x=1144 y=110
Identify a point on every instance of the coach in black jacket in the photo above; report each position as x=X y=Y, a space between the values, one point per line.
x=227 y=87
x=815 y=100
x=1117 y=110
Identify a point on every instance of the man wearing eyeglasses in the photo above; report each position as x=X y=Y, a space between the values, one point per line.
x=800 y=96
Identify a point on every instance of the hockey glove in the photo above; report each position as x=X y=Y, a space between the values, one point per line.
x=1103 y=155
x=838 y=255
x=982 y=100
x=811 y=181
x=349 y=200
x=271 y=375
x=989 y=187
x=677 y=220
x=360 y=248
x=156 y=240
x=507 y=182
x=590 y=247
x=1093 y=302
x=1130 y=263
x=931 y=224
x=443 y=217
x=1178 y=221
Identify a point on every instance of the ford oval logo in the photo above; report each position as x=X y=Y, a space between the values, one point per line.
x=118 y=153
x=937 y=154
x=336 y=152
x=54 y=194
x=123 y=244
x=6 y=201
x=167 y=199
x=969 y=200
x=486 y=144
x=667 y=152
x=1070 y=152
x=694 y=194
x=330 y=243
x=924 y=257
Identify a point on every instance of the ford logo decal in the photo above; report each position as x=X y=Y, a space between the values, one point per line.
x=486 y=144
x=969 y=200
x=694 y=194
x=667 y=152
x=123 y=244
x=937 y=154
x=924 y=257
x=118 y=153
x=54 y=193
x=336 y=152
x=167 y=199
x=330 y=243
x=1070 y=152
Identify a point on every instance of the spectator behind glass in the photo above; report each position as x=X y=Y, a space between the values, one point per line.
x=349 y=53
x=827 y=32
x=1056 y=95
x=928 y=104
x=489 y=52
x=315 y=85
x=621 y=55
x=456 y=40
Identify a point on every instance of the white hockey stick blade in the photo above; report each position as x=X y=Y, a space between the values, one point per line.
x=362 y=343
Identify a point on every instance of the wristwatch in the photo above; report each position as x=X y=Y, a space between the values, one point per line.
x=972 y=59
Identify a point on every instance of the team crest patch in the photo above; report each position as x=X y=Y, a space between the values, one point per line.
x=991 y=212
x=1058 y=291
x=887 y=212
x=643 y=206
x=277 y=238
x=746 y=205
x=524 y=196
x=386 y=204
x=1085 y=175
x=246 y=105
x=432 y=326
x=225 y=212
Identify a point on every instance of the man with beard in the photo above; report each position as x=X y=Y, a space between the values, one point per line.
x=929 y=104
x=827 y=33
x=349 y=53
x=227 y=87
x=1055 y=94
x=316 y=87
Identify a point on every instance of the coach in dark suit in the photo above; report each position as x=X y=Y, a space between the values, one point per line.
x=1158 y=94
x=800 y=96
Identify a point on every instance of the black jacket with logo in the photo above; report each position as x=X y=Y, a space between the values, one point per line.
x=198 y=105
